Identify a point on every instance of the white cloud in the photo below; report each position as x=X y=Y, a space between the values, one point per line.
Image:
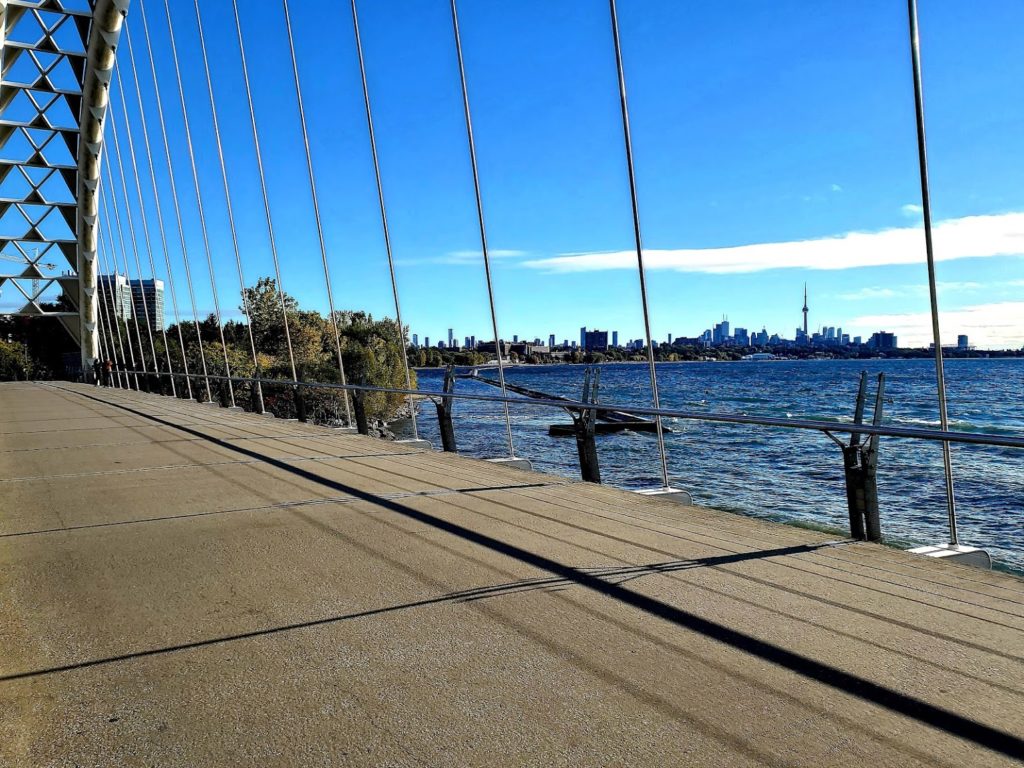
x=836 y=188
x=463 y=258
x=920 y=289
x=912 y=210
x=971 y=236
x=995 y=326
x=872 y=293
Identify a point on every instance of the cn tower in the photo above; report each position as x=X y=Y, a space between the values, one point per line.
x=805 y=309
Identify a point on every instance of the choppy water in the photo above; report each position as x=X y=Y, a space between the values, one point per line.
x=785 y=473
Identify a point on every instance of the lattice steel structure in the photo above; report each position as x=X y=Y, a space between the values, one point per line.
x=56 y=62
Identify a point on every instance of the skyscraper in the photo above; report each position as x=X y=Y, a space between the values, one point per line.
x=117 y=294
x=805 y=309
x=551 y=341
x=415 y=340
x=583 y=336
x=451 y=337
x=153 y=290
x=615 y=339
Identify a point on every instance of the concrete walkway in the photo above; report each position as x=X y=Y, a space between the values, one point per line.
x=182 y=585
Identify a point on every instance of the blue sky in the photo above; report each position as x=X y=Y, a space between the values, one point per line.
x=756 y=127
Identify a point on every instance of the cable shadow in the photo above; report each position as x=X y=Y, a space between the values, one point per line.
x=903 y=704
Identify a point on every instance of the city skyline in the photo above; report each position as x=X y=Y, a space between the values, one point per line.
x=724 y=331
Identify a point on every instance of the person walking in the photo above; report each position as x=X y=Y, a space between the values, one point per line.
x=97 y=371
x=108 y=372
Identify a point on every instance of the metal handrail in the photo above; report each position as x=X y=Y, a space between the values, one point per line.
x=917 y=433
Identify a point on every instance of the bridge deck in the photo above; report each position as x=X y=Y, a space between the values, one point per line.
x=184 y=585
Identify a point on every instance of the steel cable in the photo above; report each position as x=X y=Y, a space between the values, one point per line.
x=113 y=256
x=195 y=181
x=628 y=142
x=263 y=189
x=134 y=239
x=926 y=206
x=384 y=219
x=160 y=219
x=480 y=220
x=227 y=196
x=316 y=203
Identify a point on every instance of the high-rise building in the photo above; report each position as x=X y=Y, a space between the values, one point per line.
x=595 y=341
x=615 y=339
x=515 y=338
x=415 y=340
x=805 y=310
x=742 y=337
x=451 y=338
x=148 y=296
x=583 y=336
x=962 y=342
x=117 y=293
x=670 y=339
x=426 y=342
x=551 y=340
x=882 y=341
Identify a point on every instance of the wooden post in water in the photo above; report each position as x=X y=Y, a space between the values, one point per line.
x=583 y=423
x=869 y=461
x=860 y=461
x=444 y=411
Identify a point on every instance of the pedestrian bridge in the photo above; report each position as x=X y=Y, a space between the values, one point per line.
x=182 y=584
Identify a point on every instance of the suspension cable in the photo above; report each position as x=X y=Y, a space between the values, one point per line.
x=926 y=206
x=105 y=300
x=384 y=220
x=145 y=228
x=263 y=188
x=115 y=316
x=227 y=195
x=113 y=255
x=316 y=203
x=480 y=219
x=627 y=140
x=174 y=194
x=195 y=181
x=102 y=328
x=131 y=229
x=108 y=306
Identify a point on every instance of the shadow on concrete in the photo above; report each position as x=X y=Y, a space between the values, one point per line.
x=811 y=669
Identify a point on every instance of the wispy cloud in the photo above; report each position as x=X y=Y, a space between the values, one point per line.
x=996 y=325
x=912 y=210
x=902 y=291
x=836 y=188
x=971 y=236
x=463 y=258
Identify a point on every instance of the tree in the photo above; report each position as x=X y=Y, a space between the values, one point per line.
x=14 y=362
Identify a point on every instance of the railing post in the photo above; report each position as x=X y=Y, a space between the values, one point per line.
x=300 y=400
x=444 y=407
x=359 y=407
x=584 y=421
x=256 y=393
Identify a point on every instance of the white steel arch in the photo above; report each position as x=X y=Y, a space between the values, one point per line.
x=56 y=61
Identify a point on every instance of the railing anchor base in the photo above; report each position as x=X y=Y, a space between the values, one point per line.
x=410 y=443
x=513 y=461
x=957 y=553
x=677 y=495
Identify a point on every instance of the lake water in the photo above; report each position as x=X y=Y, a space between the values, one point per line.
x=783 y=473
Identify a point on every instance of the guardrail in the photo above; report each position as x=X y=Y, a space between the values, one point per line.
x=917 y=433
x=859 y=455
